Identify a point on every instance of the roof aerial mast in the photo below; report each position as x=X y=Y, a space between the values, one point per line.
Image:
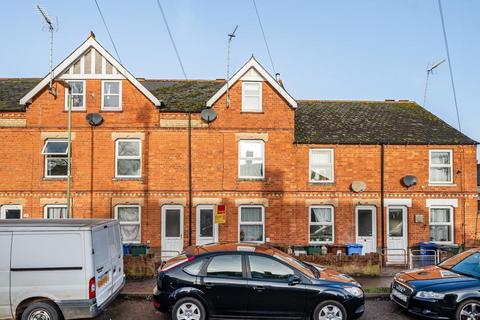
x=429 y=72
x=230 y=38
x=51 y=27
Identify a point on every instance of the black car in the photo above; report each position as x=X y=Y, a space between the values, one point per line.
x=245 y=281
x=450 y=290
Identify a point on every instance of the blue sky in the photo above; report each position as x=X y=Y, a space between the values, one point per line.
x=365 y=50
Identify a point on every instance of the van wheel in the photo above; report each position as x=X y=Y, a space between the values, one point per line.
x=188 y=309
x=469 y=309
x=41 y=310
x=331 y=310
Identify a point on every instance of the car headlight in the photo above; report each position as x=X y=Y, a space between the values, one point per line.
x=429 y=295
x=354 y=291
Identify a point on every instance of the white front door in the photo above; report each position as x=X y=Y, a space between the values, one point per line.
x=11 y=212
x=207 y=230
x=172 y=231
x=397 y=235
x=366 y=222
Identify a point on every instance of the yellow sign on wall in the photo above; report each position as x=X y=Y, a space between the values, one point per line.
x=220 y=214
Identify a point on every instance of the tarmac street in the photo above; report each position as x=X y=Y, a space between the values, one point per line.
x=141 y=309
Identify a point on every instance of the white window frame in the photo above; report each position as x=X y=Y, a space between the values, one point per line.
x=254 y=223
x=119 y=108
x=451 y=223
x=46 y=156
x=332 y=223
x=117 y=157
x=10 y=206
x=332 y=164
x=431 y=165
x=139 y=223
x=82 y=108
x=263 y=158
x=260 y=98
x=58 y=206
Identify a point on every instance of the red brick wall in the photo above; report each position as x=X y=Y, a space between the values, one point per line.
x=215 y=168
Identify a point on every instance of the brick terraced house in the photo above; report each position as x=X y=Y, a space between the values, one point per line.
x=386 y=174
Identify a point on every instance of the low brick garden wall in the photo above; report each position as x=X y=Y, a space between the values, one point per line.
x=355 y=265
x=139 y=267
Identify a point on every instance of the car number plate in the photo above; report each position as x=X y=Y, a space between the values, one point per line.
x=103 y=280
x=399 y=295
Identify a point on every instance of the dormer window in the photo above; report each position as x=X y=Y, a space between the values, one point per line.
x=251 y=96
x=78 y=95
x=112 y=95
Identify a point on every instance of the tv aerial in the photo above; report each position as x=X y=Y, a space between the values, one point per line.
x=230 y=38
x=429 y=72
x=51 y=26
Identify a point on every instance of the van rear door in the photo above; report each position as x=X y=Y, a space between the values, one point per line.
x=102 y=263
x=116 y=255
x=5 y=245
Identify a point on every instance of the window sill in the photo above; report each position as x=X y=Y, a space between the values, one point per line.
x=127 y=179
x=442 y=184
x=252 y=179
x=106 y=110
x=320 y=243
x=76 y=110
x=319 y=183
x=54 y=178
x=254 y=112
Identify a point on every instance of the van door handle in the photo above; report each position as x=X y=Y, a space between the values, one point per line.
x=99 y=269
x=258 y=288
x=208 y=285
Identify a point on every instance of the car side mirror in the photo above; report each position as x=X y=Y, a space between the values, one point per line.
x=294 y=280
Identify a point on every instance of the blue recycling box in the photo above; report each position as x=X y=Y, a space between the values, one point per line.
x=354 y=248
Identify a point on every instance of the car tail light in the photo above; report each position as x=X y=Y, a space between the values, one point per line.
x=156 y=304
x=92 y=289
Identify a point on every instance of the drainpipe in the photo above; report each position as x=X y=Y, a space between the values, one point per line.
x=382 y=191
x=69 y=153
x=190 y=178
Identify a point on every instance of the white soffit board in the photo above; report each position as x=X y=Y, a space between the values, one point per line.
x=442 y=202
x=261 y=74
x=64 y=68
x=397 y=202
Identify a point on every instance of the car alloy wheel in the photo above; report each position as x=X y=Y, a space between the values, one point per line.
x=39 y=314
x=470 y=311
x=330 y=312
x=188 y=311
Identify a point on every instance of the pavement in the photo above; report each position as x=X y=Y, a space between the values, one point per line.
x=142 y=309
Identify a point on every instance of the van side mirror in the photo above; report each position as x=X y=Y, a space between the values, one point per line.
x=294 y=280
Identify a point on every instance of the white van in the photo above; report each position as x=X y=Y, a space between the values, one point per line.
x=54 y=269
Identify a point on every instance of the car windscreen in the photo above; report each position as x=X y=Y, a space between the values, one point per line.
x=469 y=266
x=449 y=263
x=295 y=263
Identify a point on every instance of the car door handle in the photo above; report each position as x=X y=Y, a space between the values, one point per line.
x=258 y=288
x=208 y=285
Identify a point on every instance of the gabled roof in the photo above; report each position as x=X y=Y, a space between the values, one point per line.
x=372 y=122
x=77 y=53
x=253 y=63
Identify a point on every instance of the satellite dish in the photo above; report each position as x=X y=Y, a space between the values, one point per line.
x=409 y=181
x=94 y=119
x=359 y=186
x=208 y=115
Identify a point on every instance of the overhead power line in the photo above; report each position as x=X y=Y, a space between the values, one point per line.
x=449 y=64
x=172 y=39
x=264 y=37
x=108 y=31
